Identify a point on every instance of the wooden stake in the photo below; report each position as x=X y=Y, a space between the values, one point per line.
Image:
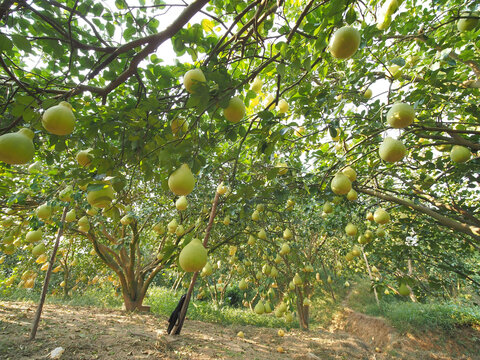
x=38 y=314
x=183 y=313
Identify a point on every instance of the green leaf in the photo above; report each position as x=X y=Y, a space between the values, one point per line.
x=5 y=43
x=351 y=16
x=22 y=43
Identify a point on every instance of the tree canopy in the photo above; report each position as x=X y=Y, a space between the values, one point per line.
x=309 y=115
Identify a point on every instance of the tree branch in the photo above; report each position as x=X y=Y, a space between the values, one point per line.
x=152 y=41
x=470 y=230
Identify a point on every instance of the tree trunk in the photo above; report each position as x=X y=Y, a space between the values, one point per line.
x=66 y=276
x=134 y=302
x=410 y=273
x=302 y=311
x=371 y=278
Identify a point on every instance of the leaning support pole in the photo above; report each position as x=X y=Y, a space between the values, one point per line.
x=38 y=314
x=181 y=318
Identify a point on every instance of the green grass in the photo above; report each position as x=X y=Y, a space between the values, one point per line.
x=408 y=316
x=164 y=301
x=98 y=297
x=405 y=315
x=324 y=307
x=400 y=313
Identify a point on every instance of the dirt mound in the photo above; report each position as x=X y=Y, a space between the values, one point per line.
x=461 y=344
x=372 y=330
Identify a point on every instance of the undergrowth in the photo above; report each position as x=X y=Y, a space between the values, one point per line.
x=405 y=315
x=163 y=302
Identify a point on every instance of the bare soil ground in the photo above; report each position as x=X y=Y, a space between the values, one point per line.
x=92 y=333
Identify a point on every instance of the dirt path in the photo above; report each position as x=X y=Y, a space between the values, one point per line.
x=91 y=333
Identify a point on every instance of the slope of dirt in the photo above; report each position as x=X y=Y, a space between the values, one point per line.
x=91 y=333
x=376 y=332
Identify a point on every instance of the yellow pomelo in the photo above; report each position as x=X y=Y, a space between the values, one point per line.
x=8 y=249
x=285 y=249
x=257 y=85
x=127 y=220
x=283 y=106
x=351 y=229
x=235 y=111
x=467 y=24
x=181 y=181
x=242 y=285
x=327 y=208
x=101 y=198
x=400 y=115
x=193 y=257
x=341 y=184
x=71 y=216
x=44 y=212
x=259 y=308
x=193 y=80
x=384 y=22
x=17 y=148
x=355 y=252
x=380 y=232
x=172 y=226
x=288 y=319
x=282 y=168
x=350 y=173
x=179 y=125
x=39 y=250
x=349 y=256
x=392 y=150
x=403 y=290
x=159 y=228
x=181 y=203
x=381 y=216
x=460 y=154
x=207 y=269
x=59 y=119
x=297 y=280
x=262 y=234
x=33 y=236
x=344 y=42
x=84 y=157
x=352 y=195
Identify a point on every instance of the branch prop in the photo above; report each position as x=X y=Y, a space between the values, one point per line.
x=38 y=314
x=178 y=327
